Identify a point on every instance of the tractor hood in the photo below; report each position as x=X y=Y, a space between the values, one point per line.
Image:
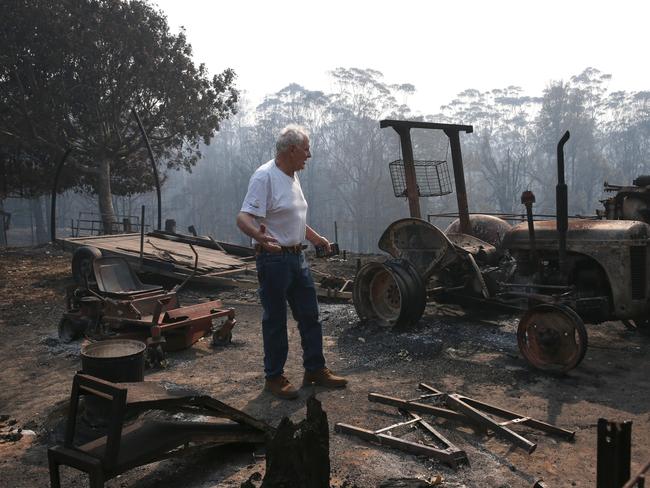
x=579 y=230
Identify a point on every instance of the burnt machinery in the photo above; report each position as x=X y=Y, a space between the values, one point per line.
x=628 y=202
x=560 y=273
x=109 y=301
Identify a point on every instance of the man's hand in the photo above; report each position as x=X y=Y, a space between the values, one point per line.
x=269 y=243
x=248 y=225
x=320 y=241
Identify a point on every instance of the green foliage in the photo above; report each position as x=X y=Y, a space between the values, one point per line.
x=71 y=72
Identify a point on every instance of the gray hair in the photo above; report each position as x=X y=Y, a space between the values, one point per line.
x=291 y=135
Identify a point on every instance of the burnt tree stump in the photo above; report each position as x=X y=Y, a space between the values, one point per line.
x=298 y=455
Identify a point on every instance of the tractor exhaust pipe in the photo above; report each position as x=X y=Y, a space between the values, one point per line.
x=561 y=203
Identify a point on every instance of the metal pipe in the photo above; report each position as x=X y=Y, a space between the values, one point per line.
x=561 y=203
x=153 y=164
x=412 y=193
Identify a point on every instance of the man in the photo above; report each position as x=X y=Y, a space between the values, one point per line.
x=274 y=215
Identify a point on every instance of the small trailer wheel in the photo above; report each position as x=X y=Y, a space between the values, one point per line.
x=552 y=338
x=69 y=330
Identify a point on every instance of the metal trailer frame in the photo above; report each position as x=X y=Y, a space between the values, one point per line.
x=448 y=454
x=475 y=413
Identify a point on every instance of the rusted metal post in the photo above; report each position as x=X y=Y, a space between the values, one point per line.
x=412 y=193
x=153 y=165
x=613 y=453
x=459 y=179
x=403 y=127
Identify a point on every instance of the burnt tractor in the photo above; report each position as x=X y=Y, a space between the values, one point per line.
x=628 y=202
x=561 y=273
x=109 y=301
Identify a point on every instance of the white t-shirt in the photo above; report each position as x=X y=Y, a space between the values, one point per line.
x=277 y=200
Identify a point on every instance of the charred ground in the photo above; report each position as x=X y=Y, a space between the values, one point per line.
x=471 y=352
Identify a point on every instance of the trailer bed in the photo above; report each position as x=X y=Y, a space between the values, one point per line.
x=170 y=255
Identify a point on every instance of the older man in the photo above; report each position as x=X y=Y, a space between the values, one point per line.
x=274 y=215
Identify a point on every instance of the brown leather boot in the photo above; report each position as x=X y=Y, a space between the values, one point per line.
x=323 y=377
x=280 y=387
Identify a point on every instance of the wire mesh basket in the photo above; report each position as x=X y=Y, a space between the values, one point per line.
x=431 y=177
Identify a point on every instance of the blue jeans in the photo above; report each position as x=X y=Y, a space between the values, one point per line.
x=285 y=277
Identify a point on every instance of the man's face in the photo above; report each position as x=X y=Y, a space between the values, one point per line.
x=300 y=154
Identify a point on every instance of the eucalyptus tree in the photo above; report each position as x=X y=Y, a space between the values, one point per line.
x=577 y=106
x=499 y=151
x=358 y=150
x=72 y=71
x=627 y=145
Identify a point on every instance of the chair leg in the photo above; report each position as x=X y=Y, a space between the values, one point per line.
x=55 y=479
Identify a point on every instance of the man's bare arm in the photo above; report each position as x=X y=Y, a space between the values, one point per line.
x=317 y=240
x=248 y=225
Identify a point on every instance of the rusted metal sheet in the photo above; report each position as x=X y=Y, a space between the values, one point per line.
x=144 y=441
x=176 y=253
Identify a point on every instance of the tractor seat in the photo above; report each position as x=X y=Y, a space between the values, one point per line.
x=115 y=276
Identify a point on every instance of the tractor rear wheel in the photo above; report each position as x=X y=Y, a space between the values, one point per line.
x=391 y=293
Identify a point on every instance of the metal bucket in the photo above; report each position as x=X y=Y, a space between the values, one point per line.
x=115 y=360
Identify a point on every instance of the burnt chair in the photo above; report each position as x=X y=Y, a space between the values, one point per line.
x=143 y=441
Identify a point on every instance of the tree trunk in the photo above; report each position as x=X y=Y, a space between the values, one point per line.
x=37 y=213
x=298 y=455
x=104 y=197
x=3 y=231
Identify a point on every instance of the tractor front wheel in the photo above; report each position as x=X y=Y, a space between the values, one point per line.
x=552 y=338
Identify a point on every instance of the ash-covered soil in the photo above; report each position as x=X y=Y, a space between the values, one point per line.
x=469 y=352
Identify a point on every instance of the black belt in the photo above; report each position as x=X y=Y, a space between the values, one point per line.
x=297 y=249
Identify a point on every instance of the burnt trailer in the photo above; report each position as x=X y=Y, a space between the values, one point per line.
x=561 y=273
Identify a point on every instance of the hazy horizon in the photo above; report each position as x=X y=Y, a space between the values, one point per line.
x=442 y=49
